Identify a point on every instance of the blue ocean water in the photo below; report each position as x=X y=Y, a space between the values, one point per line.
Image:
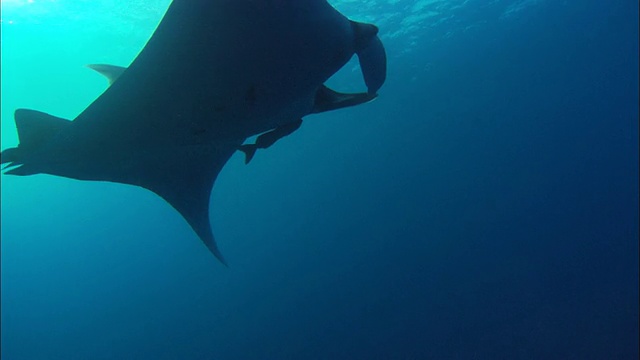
x=485 y=206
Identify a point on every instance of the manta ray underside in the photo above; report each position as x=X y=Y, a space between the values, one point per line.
x=213 y=74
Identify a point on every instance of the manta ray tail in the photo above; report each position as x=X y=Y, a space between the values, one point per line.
x=34 y=129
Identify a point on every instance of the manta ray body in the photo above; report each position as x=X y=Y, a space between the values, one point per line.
x=214 y=73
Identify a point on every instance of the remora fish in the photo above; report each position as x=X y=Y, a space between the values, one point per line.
x=214 y=73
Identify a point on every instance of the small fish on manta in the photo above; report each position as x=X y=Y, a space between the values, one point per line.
x=213 y=74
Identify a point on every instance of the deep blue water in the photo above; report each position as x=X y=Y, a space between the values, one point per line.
x=484 y=207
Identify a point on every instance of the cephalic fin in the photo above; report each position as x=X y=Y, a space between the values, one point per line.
x=327 y=99
x=371 y=54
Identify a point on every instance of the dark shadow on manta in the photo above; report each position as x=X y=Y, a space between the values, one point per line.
x=195 y=93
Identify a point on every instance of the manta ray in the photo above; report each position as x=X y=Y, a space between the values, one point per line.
x=213 y=74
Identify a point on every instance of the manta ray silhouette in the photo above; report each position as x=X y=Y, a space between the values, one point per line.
x=214 y=73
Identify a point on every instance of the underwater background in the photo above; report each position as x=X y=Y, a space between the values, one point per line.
x=485 y=206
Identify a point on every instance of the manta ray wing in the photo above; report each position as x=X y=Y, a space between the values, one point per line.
x=184 y=178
